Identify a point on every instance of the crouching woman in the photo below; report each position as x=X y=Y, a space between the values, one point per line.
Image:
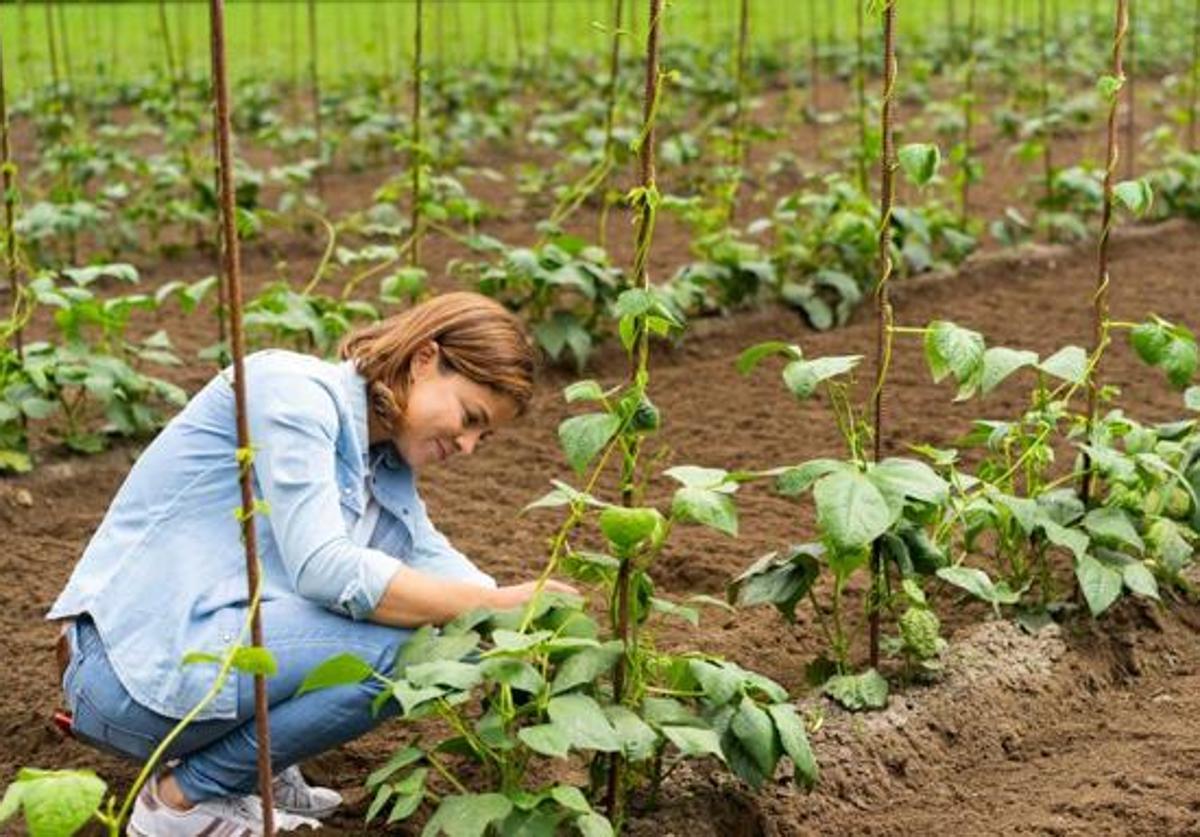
x=350 y=560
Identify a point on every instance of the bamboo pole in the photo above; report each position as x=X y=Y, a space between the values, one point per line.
x=314 y=81
x=415 y=157
x=10 y=237
x=883 y=305
x=1195 y=91
x=1100 y=298
x=237 y=342
x=626 y=630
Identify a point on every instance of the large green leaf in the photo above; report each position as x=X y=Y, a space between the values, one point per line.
x=977 y=583
x=794 y=738
x=339 y=670
x=754 y=729
x=56 y=803
x=1067 y=364
x=547 y=739
x=1100 y=583
x=779 y=578
x=1113 y=525
x=909 y=478
x=714 y=509
x=586 y=666
x=1000 y=362
x=582 y=719
x=626 y=528
x=919 y=161
x=467 y=816
x=851 y=511
x=858 y=691
x=582 y=437
x=802 y=377
x=718 y=682
x=953 y=350
x=695 y=742
x=453 y=673
x=795 y=481
x=638 y=739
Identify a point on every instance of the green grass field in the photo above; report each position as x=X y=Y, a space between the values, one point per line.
x=124 y=40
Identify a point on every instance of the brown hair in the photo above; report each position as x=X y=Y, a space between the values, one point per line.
x=476 y=337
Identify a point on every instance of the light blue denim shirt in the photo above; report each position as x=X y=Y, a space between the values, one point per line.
x=165 y=572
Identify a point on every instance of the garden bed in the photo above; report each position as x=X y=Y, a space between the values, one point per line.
x=1084 y=730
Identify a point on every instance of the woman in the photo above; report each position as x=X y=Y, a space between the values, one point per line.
x=349 y=557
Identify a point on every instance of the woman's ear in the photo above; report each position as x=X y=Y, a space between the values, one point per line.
x=425 y=360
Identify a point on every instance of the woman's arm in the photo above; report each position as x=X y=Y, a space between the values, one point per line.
x=413 y=598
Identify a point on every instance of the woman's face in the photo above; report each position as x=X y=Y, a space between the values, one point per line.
x=446 y=413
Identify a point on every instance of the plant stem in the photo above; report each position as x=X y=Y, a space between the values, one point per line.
x=1044 y=104
x=737 y=144
x=237 y=342
x=860 y=96
x=1194 y=94
x=968 y=118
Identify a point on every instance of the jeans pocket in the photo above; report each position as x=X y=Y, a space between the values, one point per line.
x=73 y=659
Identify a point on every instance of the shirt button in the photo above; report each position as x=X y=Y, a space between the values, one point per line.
x=346 y=491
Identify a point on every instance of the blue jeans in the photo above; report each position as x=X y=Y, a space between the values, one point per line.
x=219 y=757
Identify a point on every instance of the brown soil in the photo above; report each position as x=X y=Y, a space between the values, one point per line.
x=1082 y=732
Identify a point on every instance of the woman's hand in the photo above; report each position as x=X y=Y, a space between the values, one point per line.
x=414 y=598
x=518 y=594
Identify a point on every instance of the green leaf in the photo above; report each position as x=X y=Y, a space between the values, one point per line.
x=547 y=739
x=582 y=719
x=794 y=739
x=977 y=583
x=516 y=674
x=583 y=391
x=1000 y=362
x=694 y=476
x=467 y=816
x=953 y=350
x=1150 y=341
x=858 y=691
x=586 y=666
x=749 y=359
x=709 y=508
x=452 y=673
x=1136 y=195
x=1071 y=539
x=1067 y=364
x=920 y=162
x=851 y=511
x=909 y=478
x=255 y=661
x=411 y=698
x=55 y=803
x=638 y=739
x=719 y=684
x=382 y=795
x=795 y=481
x=1138 y=579
x=780 y=579
x=427 y=646
x=695 y=742
x=1100 y=583
x=802 y=377
x=339 y=670
x=1112 y=525
x=570 y=798
x=399 y=760
x=582 y=437
x=594 y=825
x=754 y=729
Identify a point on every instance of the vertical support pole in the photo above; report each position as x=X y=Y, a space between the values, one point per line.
x=237 y=342
x=1100 y=298
x=883 y=305
x=416 y=159
x=641 y=277
x=1195 y=91
x=10 y=237
x=1131 y=56
x=314 y=81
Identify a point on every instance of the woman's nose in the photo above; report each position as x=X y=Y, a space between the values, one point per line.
x=466 y=442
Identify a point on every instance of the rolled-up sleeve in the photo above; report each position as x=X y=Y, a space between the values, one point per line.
x=294 y=428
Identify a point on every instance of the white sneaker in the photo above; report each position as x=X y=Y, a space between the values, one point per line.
x=296 y=796
x=230 y=816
